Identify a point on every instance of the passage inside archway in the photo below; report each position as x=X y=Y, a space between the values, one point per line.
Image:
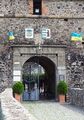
x=39 y=79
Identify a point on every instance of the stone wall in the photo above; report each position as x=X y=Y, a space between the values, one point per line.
x=60 y=35
x=12 y=7
x=65 y=8
x=75 y=67
x=60 y=29
x=5 y=67
x=59 y=8
x=77 y=97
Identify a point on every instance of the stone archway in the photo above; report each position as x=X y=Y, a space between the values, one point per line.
x=53 y=55
x=49 y=81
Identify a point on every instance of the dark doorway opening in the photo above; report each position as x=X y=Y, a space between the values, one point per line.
x=40 y=85
x=37 y=7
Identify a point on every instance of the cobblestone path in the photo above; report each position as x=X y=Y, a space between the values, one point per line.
x=54 y=111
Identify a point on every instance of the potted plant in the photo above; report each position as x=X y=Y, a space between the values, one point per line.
x=62 y=90
x=18 y=89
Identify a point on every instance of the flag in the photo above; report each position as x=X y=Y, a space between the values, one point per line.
x=11 y=36
x=76 y=37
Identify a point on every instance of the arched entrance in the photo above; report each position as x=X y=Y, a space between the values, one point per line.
x=39 y=78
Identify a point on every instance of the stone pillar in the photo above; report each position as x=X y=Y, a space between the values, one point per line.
x=16 y=71
x=44 y=8
x=30 y=5
x=16 y=65
x=61 y=73
x=61 y=68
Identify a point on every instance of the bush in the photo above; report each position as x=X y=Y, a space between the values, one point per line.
x=62 y=87
x=18 y=88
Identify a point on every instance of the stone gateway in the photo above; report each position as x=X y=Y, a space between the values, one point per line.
x=40 y=33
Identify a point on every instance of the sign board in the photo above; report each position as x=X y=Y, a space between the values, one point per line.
x=16 y=72
x=45 y=33
x=29 y=32
x=16 y=78
x=16 y=63
x=61 y=77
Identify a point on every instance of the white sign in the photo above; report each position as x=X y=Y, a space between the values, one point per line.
x=16 y=78
x=16 y=63
x=16 y=72
x=29 y=33
x=46 y=33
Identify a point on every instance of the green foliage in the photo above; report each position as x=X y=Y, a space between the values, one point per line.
x=18 y=88
x=62 y=87
x=33 y=77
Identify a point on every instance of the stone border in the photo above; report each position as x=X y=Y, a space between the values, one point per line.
x=41 y=16
x=12 y=109
x=77 y=97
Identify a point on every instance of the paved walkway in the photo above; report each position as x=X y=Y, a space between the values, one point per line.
x=54 y=111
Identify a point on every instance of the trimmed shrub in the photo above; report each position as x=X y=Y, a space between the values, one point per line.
x=18 y=88
x=62 y=87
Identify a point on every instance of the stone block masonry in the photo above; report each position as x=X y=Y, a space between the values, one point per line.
x=59 y=8
x=60 y=29
x=60 y=35
x=5 y=67
x=77 y=97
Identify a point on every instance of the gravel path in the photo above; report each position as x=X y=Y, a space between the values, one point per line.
x=54 y=111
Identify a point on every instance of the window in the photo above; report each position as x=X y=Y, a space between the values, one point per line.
x=37 y=7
